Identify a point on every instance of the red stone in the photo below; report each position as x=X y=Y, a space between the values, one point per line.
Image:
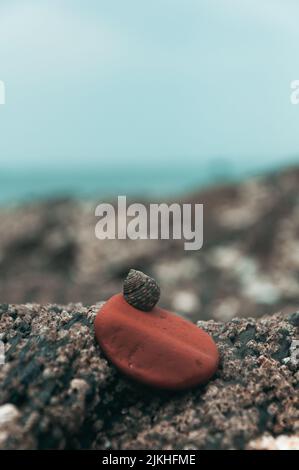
x=156 y=348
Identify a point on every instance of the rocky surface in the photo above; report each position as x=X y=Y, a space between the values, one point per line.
x=57 y=390
x=248 y=266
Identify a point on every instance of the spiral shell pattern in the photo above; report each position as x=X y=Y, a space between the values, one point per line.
x=141 y=291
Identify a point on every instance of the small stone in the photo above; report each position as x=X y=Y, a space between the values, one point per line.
x=282 y=442
x=8 y=414
x=79 y=385
x=159 y=348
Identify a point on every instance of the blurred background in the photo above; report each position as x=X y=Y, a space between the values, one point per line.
x=167 y=100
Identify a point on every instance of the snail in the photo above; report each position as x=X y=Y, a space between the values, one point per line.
x=141 y=291
x=150 y=344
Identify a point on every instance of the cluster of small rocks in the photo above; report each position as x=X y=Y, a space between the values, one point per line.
x=57 y=390
x=248 y=266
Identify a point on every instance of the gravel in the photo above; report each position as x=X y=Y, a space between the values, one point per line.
x=57 y=390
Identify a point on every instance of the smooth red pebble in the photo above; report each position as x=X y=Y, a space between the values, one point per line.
x=156 y=348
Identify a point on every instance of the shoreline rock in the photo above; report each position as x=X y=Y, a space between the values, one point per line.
x=58 y=391
x=248 y=265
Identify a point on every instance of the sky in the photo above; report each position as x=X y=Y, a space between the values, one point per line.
x=139 y=83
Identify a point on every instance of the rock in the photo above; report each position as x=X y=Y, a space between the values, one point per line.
x=63 y=393
x=248 y=265
x=156 y=347
x=8 y=414
x=275 y=443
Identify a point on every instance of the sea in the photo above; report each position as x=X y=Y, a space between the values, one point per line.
x=23 y=185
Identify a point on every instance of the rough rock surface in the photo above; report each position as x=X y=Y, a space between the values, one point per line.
x=248 y=265
x=58 y=391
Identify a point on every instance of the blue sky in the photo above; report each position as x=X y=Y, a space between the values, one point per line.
x=135 y=82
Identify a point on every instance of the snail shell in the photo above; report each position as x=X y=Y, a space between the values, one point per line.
x=141 y=291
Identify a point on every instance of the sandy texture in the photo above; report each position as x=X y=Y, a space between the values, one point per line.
x=58 y=391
